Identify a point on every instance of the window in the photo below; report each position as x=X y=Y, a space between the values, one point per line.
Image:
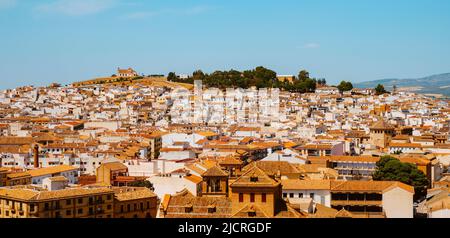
x=188 y=209
x=311 y=195
x=252 y=197
x=109 y=207
x=68 y=202
x=68 y=213
x=263 y=198
x=285 y=195
x=241 y=197
x=128 y=207
x=108 y=197
x=211 y=209
x=291 y=195
x=121 y=208
x=80 y=211
x=80 y=200
x=300 y=195
x=148 y=204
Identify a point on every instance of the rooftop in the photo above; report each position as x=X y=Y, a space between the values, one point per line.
x=51 y=170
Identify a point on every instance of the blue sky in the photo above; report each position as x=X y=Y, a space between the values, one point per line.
x=358 y=40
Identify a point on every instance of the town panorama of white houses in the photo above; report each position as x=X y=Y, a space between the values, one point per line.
x=242 y=152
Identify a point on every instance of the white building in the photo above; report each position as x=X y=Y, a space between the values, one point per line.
x=286 y=155
x=318 y=190
x=327 y=90
x=69 y=172
x=174 y=184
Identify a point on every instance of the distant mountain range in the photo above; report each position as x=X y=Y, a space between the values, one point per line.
x=435 y=84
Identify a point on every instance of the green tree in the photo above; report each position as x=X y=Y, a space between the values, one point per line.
x=322 y=82
x=145 y=183
x=172 y=77
x=198 y=75
x=379 y=89
x=265 y=78
x=392 y=169
x=303 y=84
x=303 y=75
x=311 y=85
x=345 y=86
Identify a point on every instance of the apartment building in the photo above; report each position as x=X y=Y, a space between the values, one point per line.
x=318 y=190
x=322 y=149
x=55 y=200
x=350 y=167
x=35 y=202
x=132 y=202
x=368 y=199
x=17 y=178
x=69 y=172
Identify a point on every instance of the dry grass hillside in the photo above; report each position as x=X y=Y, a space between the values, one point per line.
x=148 y=81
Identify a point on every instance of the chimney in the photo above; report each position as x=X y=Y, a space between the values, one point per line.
x=36 y=156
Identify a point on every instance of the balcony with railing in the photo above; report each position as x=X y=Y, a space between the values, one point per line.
x=356 y=203
x=360 y=168
x=368 y=214
x=356 y=199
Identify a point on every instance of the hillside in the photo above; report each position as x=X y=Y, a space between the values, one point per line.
x=149 y=81
x=435 y=84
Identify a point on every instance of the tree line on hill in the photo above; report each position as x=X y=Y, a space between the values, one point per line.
x=261 y=77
